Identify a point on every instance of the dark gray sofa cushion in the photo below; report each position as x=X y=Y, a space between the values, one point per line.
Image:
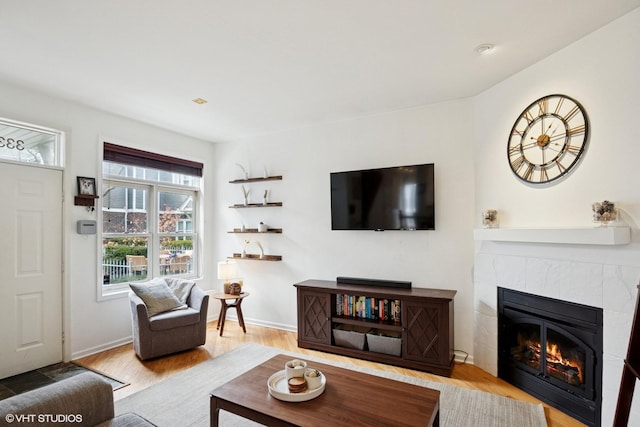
x=86 y=399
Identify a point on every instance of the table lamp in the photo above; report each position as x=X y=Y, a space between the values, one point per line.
x=227 y=271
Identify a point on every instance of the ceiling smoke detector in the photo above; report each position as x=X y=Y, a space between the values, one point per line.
x=484 y=49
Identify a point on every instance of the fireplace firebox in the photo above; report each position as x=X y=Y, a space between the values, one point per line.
x=552 y=349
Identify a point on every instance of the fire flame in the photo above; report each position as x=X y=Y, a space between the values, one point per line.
x=565 y=368
x=554 y=356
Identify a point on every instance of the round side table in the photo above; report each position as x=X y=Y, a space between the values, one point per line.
x=236 y=302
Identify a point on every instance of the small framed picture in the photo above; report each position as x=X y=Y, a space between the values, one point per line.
x=86 y=186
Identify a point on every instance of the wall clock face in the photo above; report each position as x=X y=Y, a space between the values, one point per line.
x=548 y=138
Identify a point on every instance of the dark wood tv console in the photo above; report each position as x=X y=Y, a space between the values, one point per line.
x=425 y=327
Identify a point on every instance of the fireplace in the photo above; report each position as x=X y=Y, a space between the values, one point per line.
x=552 y=349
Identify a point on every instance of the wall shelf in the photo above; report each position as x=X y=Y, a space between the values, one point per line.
x=255 y=231
x=269 y=178
x=256 y=205
x=85 y=200
x=256 y=257
x=570 y=236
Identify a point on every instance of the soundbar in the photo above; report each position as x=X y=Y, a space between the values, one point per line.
x=373 y=282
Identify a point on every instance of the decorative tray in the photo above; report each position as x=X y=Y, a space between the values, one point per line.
x=279 y=389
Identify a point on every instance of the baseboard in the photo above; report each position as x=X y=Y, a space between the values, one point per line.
x=117 y=343
x=271 y=325
x=463 y=359
x=102 y=347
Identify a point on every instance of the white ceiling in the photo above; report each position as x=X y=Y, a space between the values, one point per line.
x=269 y=65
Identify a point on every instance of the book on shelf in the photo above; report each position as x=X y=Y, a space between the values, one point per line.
x=368 y=308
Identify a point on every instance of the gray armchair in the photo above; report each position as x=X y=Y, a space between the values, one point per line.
x=170 y=331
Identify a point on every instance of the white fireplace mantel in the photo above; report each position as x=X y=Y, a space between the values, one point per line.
x=569 y=236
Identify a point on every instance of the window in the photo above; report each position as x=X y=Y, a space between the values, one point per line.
x=149 y=217
x=25 y=143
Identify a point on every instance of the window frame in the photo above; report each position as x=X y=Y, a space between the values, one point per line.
x=153 y=234
x=59 y=141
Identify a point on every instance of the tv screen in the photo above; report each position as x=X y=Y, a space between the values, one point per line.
x=396 y=198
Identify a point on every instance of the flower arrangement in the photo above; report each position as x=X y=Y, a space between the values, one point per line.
x=490 y=218
x=604 y=212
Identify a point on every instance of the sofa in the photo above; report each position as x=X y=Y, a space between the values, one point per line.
x=85 y=399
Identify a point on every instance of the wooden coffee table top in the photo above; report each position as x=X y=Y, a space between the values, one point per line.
x=350 y=399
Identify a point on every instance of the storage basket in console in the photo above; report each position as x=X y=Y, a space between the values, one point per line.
x=387 y=342
x=350 y=336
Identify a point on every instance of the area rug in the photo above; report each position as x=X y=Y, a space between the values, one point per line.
x=37 y=378
x=183 y=399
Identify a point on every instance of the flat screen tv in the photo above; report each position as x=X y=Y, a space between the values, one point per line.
x=395 y=198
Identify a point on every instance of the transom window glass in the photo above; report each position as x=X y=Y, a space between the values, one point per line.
x=149 y=224
x=25 y=143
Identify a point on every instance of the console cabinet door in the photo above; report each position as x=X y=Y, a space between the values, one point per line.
x=427 y=332
x=314 y=316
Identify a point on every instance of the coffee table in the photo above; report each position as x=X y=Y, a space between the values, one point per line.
x=350 y=398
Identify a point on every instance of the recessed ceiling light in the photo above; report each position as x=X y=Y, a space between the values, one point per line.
x=483 y=49
x=200 y=101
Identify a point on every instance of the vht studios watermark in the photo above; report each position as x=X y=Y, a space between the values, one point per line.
x=43 y=418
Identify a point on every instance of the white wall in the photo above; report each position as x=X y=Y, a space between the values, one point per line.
x=91 y=325
x=439 y=134
x=600 y=71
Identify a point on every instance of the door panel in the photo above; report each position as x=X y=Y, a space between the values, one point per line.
x=314 y=314
x=30 y=268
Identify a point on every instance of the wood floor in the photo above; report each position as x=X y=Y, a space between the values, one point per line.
x=122 y=364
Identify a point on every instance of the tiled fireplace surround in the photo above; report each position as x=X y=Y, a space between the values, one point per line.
x=604 y=276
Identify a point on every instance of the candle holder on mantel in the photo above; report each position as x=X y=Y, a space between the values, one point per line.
x=604 y=213
x=490 y=218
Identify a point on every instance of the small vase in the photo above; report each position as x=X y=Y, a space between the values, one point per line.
x=490 y=218
x=605 y=213
x=243 y=254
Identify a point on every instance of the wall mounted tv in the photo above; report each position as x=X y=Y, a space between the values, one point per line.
x=395 y=198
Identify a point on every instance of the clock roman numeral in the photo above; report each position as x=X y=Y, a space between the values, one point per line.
x=516 y=149
x=561 y=167
x=528 y=117
x=528 y=172
x=543 y=106
x=517 y=163
x=544 y=176
x=559 y=106
x=571 y=113
x=578 y=130
x=574 y=149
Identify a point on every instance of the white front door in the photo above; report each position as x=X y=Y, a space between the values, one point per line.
x=30 y=268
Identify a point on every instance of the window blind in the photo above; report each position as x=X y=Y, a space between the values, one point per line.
x=135 y=157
